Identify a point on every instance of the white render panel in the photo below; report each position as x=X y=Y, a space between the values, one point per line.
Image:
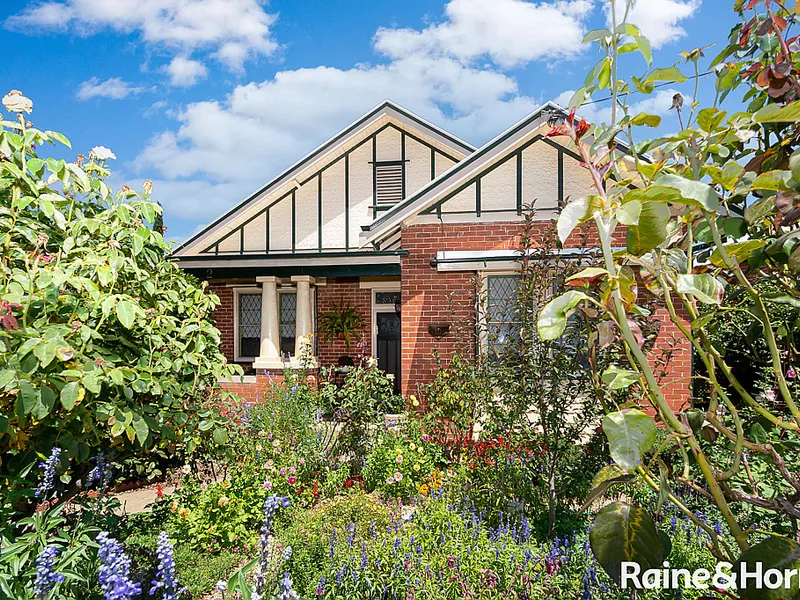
x=418 y=167
x=360 y=191
x=231 y=244
x=255 y=234
x=333 y=214
x=388 y=145
x=443 y=164
x=306 y=216
x=280 y=226
x=463 y=200
x=540 y=176
x=499 y=188
x=577 y=179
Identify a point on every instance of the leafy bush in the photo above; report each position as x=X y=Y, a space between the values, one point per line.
x=104 y=341
x=402 y=464
x=311 y=534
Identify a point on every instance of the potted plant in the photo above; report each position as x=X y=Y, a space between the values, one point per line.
x=342 y=322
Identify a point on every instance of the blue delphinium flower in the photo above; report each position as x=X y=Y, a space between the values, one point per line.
x=285 y=588
x=321 y=585
x=114 y=572
x=101 y=472
x=166 y=580
x=271 y=506
x=46 y=575
x=49 y=467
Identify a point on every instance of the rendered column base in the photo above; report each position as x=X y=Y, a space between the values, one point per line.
x=278 y=364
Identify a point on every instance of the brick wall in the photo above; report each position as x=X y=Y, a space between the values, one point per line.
x=430 y=297
x=343 y=290
x=223 y=318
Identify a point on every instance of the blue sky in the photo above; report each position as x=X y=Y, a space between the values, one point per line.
x=212 y=98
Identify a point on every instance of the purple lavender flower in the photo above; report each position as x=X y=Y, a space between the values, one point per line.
x=166 y=580
x=271 y=506
x=321 y=585
x=46 y=575
x=49 y=467
x=114 y=572
x=100 y=473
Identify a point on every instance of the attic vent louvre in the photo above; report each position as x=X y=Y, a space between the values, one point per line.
x=388 y=183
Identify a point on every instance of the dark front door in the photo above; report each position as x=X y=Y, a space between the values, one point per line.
x=389 y=345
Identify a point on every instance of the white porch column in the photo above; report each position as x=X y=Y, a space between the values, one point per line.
x=270 y=356
x=303 y=323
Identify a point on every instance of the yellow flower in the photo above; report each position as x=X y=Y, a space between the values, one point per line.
x=398 y=450
x=413 y=446
x=184 y=512
x=174 y=506
x=226 y=484
x=423 y=489
x=223 y=501
x=420 y=450
x=414 y=401
x=416 y=467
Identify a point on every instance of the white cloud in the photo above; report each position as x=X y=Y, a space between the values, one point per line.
x=114 y=88
x=658 y=19
x=233 y=30
x=185 y=72
x=510 y=32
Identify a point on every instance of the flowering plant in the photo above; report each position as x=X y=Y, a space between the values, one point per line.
x=401 y=466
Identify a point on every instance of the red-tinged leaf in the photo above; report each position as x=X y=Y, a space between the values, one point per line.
x=764 y=27
x=637 y=332
x=752 y=70
x=9 y=322
x=751 y=4
x=780 y=22
x=763 y=78
x=557 y=131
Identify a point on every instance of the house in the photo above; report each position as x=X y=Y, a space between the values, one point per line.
x=394 y=217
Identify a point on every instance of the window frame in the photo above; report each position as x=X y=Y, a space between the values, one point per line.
x=282 y=292
x=237 y=342
x=483 y=312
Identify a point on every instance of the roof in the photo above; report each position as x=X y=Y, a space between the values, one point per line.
x=386 y=108
x=413 y=205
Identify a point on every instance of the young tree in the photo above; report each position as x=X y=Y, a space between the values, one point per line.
x=711 y=207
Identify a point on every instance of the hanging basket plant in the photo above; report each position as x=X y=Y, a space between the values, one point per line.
x=342 y=322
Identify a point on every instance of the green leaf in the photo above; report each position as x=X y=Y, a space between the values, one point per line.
x=28 y=397
x=618 y=379
x=45 y=352
x=772 y=113
x=628 y=214
x=644 y=47
x=759 y=209
x=630 y=434
x=572 y=214
x=141 y=429
x=71 y=394
x=47 y=400
x=588 y=273
x=220 y=436
x=710 y=118
x=671 y=74
x=553 y=318
x=772 y=181
x=59 y=138
x=645 y=119
x=696 y=418
x=651 y=229
x=704 y=287
x=773 y=553
x=741 y=251
x=605 y=478
x=695 y=193
x=625 y=533
x=126 y=313
x=596 y=34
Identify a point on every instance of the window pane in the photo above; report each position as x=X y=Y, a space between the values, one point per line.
x=387 y=297
x=501 y=311
x=288 y=318
x=249 y=325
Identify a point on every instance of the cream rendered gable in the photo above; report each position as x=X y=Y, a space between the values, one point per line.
x=520 y=168
x=320 y=204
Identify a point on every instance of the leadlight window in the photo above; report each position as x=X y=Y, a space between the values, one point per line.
x=249 y=325
x=287 y=322
x=387 y=298
x=501 y=312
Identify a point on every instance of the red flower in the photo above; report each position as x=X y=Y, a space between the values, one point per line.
x=582 y=128
x=292 y=480
x=159 y=491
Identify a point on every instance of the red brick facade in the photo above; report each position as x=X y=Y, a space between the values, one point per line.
x=430 y=297
x=345 y=290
